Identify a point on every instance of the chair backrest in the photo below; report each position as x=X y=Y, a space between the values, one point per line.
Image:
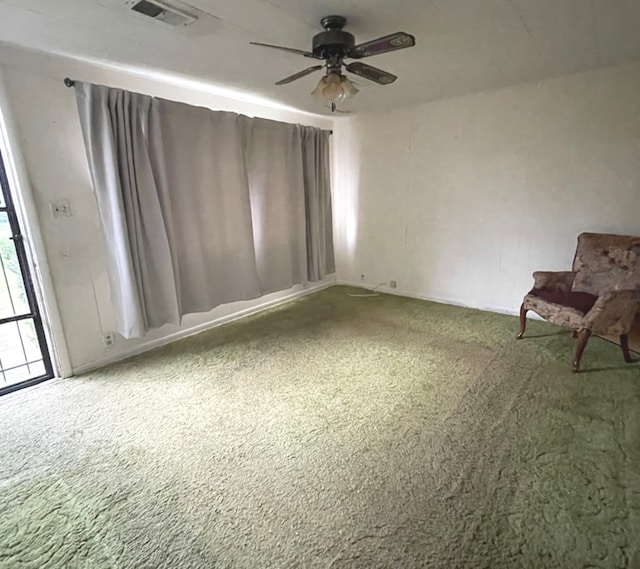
x=605 y=262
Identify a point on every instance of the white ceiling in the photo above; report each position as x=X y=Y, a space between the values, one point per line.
x=463 y=46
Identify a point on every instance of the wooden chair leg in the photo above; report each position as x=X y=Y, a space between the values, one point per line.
x=624 y=344
x=583 y=338
x=523 y=321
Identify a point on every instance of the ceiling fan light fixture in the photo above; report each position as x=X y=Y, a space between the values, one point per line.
x=334 y=88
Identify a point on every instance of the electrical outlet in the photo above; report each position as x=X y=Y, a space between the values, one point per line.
x=393 y=284
x=109 y=339
x=60 y=208
x=361 y=277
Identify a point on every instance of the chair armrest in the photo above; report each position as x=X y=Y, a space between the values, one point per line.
x=613 y=312
x=556 y=281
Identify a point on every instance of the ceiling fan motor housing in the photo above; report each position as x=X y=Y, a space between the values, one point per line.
x=333 y=41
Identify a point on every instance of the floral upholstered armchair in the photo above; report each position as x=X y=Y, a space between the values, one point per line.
x=601 y=295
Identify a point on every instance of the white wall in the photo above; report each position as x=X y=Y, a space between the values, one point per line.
x=461 y=200
x=47 y=142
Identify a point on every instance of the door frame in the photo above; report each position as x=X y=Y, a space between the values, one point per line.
x=26 y=213
x=33 y=313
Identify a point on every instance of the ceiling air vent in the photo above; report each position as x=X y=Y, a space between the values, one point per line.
x=161 y=12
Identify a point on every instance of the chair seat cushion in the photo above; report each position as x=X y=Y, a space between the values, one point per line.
x=581 y=301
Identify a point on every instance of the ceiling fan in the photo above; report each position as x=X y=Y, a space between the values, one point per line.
x=334 y=45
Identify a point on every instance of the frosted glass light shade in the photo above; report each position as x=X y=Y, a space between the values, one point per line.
x=350 y=90
x=334 y=88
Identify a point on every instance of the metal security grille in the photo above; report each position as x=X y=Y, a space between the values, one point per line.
x=24 y=357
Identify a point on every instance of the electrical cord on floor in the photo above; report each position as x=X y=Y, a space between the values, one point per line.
x=372 y=292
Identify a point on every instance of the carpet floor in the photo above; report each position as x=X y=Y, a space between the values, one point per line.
x=332 y=432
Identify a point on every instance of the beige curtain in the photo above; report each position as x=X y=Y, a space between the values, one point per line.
x=201 y=208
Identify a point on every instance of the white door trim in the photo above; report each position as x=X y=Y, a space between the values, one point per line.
x=25 y=208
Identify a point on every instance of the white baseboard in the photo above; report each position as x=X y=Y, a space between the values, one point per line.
x=387 y=290
x=151 y=345
x=84 y=368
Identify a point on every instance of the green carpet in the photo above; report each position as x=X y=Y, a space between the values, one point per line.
x=333 y=432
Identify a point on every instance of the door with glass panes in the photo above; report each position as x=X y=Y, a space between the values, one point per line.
x=24 y=356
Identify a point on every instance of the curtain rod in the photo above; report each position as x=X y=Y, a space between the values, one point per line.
x=71 y=82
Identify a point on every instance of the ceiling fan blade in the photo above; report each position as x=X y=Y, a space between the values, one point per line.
x=371 y=73
x=302 y=73
x=399 y=40
x=289 y=49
